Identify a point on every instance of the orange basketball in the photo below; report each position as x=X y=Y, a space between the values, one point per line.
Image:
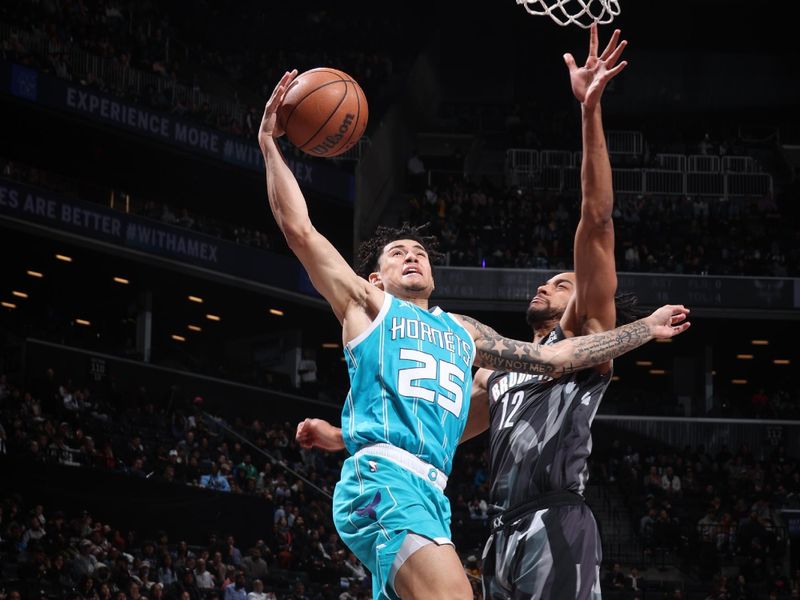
x=324 y=112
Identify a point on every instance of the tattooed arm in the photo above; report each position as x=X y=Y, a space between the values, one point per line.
x=493 y=351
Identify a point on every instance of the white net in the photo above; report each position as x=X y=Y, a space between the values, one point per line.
x=578 y=12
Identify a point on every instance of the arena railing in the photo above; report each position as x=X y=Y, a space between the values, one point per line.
x=676 y=174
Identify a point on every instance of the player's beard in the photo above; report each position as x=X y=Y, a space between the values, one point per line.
x=541 y=314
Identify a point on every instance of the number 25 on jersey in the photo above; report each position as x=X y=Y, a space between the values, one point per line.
x=440 y=373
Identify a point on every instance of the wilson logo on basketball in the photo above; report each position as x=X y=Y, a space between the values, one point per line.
x=332 y=140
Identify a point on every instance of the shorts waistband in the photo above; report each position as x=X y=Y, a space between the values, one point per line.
x=408 y=461
x=546 y=500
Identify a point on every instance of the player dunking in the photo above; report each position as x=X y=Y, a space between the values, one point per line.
x=410 y=386
x=545 y=544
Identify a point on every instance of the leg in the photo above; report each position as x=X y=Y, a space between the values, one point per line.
x=433 y=572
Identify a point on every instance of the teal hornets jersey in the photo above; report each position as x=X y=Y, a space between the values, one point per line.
x=410 y=382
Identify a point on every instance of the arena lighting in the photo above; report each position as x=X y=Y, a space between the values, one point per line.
x=644 y=363
x=194 y=328
x=739 y=381
x=782 y=361
x=616 y=378
x=121 y=280
x=82 y=322
x=744 y=356
x=178 y=338
x=197 y=299
x=760 y=342
x=64 y=258
x=19 y=294
x=276 y=312
x=213 y=318
x=8 y=305
x=657 y=372
x=36 y=274
x=330 y=345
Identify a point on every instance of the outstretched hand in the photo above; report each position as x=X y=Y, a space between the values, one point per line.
x=589 y=81
x=668 y=321
x=270 y=125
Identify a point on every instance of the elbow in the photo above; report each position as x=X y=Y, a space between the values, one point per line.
x=297 y=236
x=600 y=220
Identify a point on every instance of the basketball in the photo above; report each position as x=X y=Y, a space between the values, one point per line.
x=324 y=112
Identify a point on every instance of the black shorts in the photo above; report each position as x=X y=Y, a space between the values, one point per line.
x=550 y=554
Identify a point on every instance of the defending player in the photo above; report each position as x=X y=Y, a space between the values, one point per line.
x=546 y=544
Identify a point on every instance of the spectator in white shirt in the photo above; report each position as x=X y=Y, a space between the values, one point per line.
x=670 y=481
x=258 y=591
x=203 y=577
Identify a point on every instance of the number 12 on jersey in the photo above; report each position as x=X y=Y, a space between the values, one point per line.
x=444 y=375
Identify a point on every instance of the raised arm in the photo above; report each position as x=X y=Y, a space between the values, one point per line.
x=329 y=272
x=592 y=308
x=498 y=353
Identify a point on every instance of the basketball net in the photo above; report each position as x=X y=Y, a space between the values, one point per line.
x=578 y=12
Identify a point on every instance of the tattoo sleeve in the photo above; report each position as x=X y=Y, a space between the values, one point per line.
x=493 y=351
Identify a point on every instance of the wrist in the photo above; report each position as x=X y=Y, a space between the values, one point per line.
x=651 y=324
x=590 y=110
x=266 y=141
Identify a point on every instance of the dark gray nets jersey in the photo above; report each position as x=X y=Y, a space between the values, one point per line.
x=540 y=442
x=540 y=431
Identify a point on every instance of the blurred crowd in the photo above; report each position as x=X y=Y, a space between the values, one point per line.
x=178 y=57
x=718 y=514
x=482 y=225
x=48 y=552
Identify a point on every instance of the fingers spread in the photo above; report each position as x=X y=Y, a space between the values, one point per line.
x=612 y=72
x=612 y=58
x=612 y=44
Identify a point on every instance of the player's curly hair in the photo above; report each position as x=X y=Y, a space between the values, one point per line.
x=628 y=309
x=369 y=251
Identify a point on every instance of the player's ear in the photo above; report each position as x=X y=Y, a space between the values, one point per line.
x=375 y=279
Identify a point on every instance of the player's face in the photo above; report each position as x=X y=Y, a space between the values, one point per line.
x=551 y=298
x=405 y=270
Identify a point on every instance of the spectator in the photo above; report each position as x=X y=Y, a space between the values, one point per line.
x=258 y=591
x=215 y=480
x=85 y=563
x=184 y=588
x=354 y=569
x=218 y=567
x=167 y=575
x=203 y=577
x=254 y=566
x=236 y=591
x=232 y=554
x=670 y=482
x=634 y=581
x=615 y=579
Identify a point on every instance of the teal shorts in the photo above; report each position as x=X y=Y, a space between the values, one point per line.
x=375 y=504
